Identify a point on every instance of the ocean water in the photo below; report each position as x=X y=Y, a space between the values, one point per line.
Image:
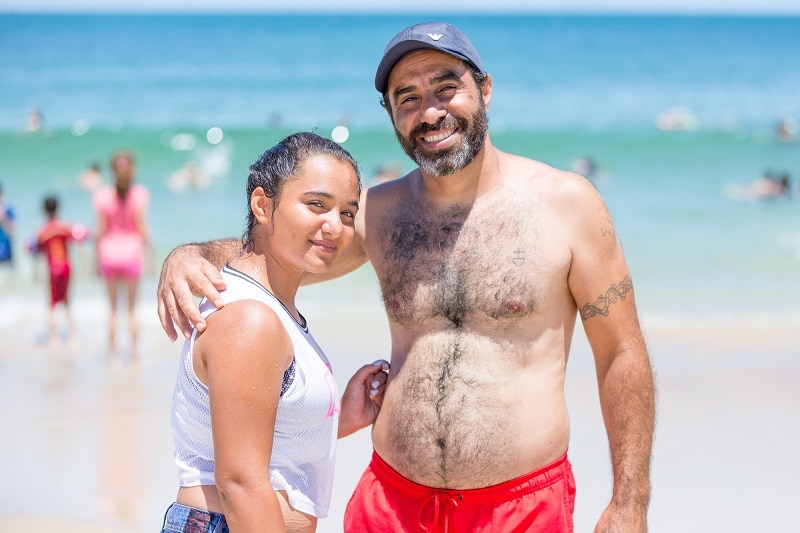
x=565 y=87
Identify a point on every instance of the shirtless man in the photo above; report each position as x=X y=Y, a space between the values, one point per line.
x=485 y=259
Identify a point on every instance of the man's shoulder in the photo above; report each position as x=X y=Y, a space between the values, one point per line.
x=527 y=171
x=387 y=191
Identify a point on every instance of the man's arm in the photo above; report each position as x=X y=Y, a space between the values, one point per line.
x=603 y=291
x=192 y=269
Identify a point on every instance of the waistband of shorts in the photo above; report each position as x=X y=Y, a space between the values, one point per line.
x=178 y=516
x=520 y=486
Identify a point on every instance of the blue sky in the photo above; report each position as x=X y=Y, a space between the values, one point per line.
x=455 y=6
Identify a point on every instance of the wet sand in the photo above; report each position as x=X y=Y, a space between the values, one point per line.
x=86 y=445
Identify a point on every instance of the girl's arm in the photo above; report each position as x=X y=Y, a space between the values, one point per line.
x=242 y=358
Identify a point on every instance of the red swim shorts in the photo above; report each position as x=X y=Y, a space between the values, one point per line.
x=385 y=501
x=59 y=284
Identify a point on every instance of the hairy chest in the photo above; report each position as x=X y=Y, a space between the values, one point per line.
x=464 y=264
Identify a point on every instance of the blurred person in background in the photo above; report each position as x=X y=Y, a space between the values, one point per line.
x=7 y=230
x=53 y=239
x=123 y=242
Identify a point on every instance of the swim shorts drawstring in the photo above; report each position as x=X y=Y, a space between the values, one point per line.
x=443 y=503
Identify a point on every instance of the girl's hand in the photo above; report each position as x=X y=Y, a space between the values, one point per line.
x=362 y=397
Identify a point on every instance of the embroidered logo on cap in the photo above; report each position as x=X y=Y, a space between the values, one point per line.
x=435 y=36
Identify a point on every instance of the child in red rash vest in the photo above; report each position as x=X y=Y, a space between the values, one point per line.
x=53 y=239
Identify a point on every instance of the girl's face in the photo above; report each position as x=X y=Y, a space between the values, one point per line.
x=313 y=220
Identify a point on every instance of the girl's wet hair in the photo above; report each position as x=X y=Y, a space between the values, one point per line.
x=281 y=163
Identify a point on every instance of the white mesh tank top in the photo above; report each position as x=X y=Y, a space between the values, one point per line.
x=304 y=446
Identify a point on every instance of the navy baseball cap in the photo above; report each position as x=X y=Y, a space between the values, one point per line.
x=427 y=36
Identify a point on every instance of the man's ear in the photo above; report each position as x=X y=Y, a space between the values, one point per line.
x=262 y=206
x=486 y=89
x=387 y=106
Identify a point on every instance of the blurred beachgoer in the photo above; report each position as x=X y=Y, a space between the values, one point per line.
x=275 y=120
x=7 y=231
x=255 y=414
x=786 y=130
x=35 y=120
x=53 y=239
x=485 y=260
x=783 y=188
x=386 y=172
x=123 y=241
x=92 y=178
x=770 y=186
x=585 y=166
x=676 y=119
x=189 y=176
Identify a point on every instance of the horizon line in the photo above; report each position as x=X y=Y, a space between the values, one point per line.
x=372 y=11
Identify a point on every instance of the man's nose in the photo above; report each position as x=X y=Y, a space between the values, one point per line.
x=433 y=110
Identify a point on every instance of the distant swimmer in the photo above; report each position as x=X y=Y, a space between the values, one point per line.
x=91 y=179
x=189 y=176
x=386 y=173
x=786 y=129
x=676 y=119
x=586 y=167
x=769 y=186
x=35 y=120
x=199 y=173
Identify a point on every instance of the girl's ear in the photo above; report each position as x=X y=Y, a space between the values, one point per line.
x=262 y=206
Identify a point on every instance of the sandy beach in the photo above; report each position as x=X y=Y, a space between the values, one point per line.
x=86 y=444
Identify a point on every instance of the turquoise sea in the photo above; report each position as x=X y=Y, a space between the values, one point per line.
x=218 y=90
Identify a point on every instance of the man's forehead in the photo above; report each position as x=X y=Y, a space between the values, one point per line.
x=425 y=62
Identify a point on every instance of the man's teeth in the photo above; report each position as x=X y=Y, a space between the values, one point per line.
x=437 y=137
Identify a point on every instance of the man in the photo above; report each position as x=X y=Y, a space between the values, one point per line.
x=484 y=260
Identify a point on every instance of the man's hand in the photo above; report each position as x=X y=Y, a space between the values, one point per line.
x=185 y=274
x=362 y=397
x=618 y=520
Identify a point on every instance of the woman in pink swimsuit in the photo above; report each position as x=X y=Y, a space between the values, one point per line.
x=122 y=240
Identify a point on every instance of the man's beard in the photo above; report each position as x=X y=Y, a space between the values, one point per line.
x=450 y=160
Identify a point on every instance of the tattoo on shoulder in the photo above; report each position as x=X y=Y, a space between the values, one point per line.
x=608 y=231
x=602 y=305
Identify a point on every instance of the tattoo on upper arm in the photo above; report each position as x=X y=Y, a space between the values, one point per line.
x=602 y=305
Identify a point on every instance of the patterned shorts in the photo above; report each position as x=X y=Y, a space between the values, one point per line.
x=183 y=519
